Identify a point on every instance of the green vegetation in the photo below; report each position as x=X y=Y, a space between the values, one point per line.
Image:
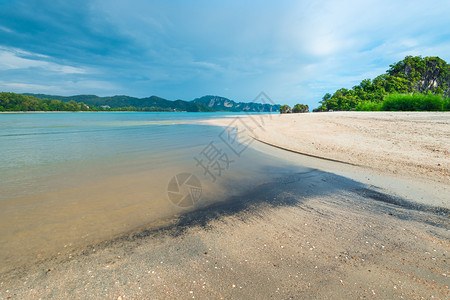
x=407 y=102
x=126 y=103
x=300 y=108
x=414 y=83
x=18 y=102
x=154 y=103
x=285 y=109
x=42 y=102
x=368 y=106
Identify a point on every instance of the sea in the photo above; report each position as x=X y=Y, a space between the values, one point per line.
x=68 y=180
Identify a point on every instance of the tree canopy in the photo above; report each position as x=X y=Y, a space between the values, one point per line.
x=18 y=102
x=413 y=74
x=285 y=109
x=300 y=108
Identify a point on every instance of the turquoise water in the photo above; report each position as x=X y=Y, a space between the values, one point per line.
x=71 y=179
x=37 y=145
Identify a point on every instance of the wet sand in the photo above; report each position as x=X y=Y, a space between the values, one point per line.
x=332 y=230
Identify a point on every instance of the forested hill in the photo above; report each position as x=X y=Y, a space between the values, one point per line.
x=152 y=103
x=206 y=103
x=18 y=102
x=412 y=75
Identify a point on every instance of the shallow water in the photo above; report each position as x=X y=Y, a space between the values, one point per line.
x=72 y=179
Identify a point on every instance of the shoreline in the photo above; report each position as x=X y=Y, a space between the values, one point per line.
x=138 y=111
x=413 y=144
x=319 y=233
x=351 y=144
x=323 y=235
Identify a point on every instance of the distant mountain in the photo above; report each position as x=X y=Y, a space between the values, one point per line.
x=223 y=104
x=204 y=104
x=116 y=102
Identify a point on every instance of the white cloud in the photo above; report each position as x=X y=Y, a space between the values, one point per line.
x=12 y=58
x=292 y=49
x=21 y=87
x=65 y=88
x=6 y=29
x=9 y=61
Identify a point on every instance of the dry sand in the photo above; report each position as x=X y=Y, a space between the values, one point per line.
x=310 y=234
x=412 y=144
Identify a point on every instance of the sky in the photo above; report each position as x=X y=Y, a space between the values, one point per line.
x=294 y=51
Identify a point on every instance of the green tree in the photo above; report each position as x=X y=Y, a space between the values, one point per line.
x=413 y=74
x=300 y=108
x=285 y=109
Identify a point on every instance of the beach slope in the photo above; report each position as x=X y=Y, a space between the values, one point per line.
x=310 y=233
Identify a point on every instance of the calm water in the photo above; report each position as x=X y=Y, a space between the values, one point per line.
x=70 y=179
x=50 y=145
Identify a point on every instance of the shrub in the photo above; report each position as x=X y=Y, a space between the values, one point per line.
x=446 y=104
x=368 y=106
x=300 y=108
x=285 y=109
x=415 y=102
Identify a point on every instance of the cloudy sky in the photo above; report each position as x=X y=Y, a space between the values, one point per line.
x=295 y=51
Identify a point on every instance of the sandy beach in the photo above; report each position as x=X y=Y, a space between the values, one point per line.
x=411 y=144
x=366 y=217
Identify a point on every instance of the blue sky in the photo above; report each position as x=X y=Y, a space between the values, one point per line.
x=295 y=51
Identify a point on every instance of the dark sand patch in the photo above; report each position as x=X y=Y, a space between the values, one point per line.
x=305 y=235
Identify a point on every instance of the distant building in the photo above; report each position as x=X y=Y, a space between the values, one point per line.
x=105 y=106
